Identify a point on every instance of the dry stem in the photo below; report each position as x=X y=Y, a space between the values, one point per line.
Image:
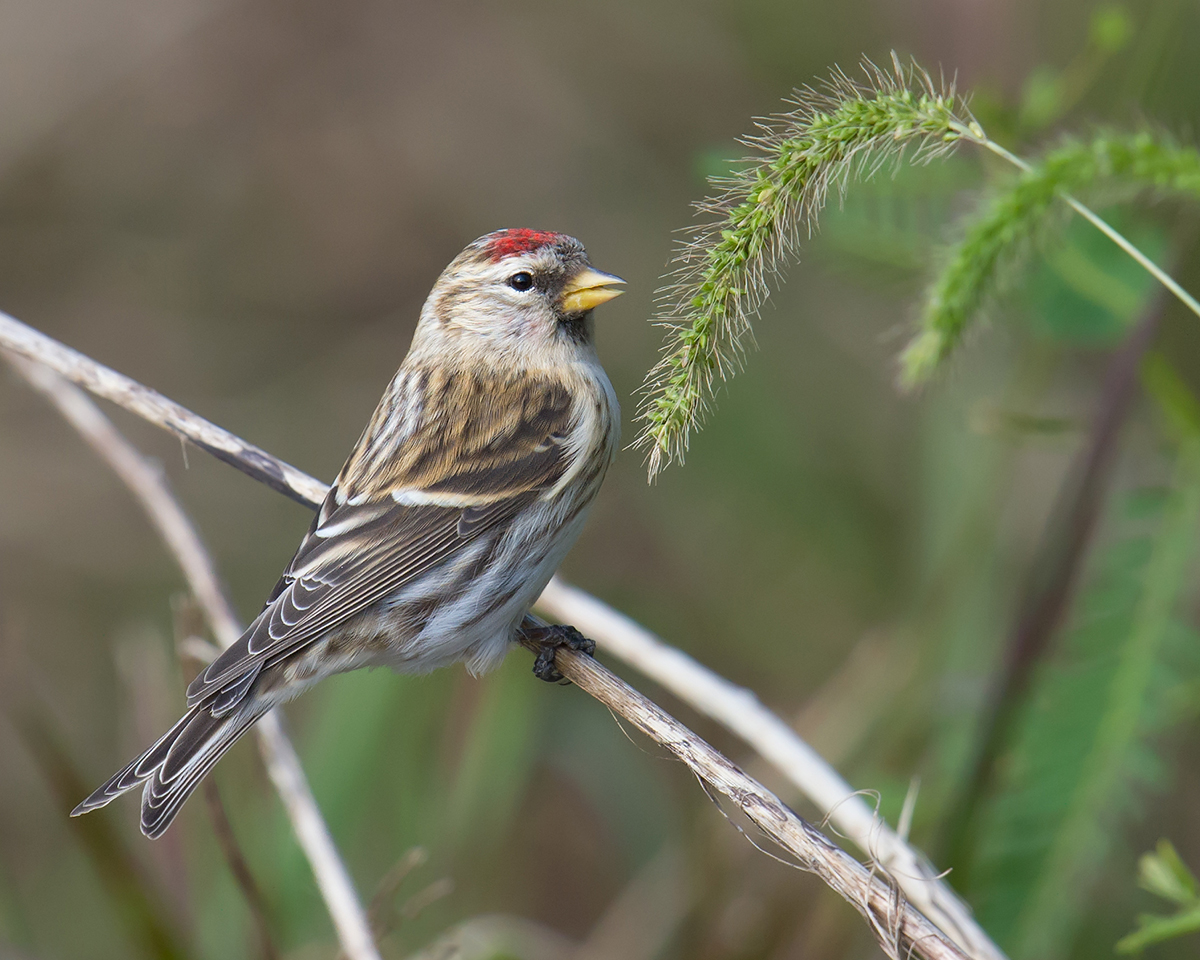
x=900 y=927
x=153 y=406
x=742 y=713
x=147 y=484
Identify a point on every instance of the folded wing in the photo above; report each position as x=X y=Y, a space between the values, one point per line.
x=386 y=523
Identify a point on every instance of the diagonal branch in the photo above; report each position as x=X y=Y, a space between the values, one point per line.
x=900 y=929
x=148 y=485
x=153 y=406
x=716 y=697
x=742 y=713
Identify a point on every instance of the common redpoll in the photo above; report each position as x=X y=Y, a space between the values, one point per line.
x=462 y=496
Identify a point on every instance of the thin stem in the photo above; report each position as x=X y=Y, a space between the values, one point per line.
x=1149 y=265
x=239 y=868
x=742 y=713
x=151 y=405
x=899 y=925
x=975 y=134
x=333 y=879
x=149 y=486
x=900 y=929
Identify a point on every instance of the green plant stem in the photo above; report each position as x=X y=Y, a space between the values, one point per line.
x=975 y=135
x=1164 y=928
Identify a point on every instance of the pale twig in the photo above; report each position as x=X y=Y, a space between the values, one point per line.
x=741 y=712
x=286 y=773
x=901 y=930
x=148 y=485
x=145 y=481
x=892 y=918
x=153 y=406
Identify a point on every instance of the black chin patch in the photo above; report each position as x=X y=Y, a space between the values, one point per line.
x=577 y=327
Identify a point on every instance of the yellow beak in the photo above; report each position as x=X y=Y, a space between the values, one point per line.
x=587 y=289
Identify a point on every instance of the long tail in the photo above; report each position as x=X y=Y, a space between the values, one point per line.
x=173 y=767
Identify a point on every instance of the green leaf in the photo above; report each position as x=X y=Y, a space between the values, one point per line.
x=1175 y=399
x=1085 y=750
x=1086 y=291
x=1164 y=874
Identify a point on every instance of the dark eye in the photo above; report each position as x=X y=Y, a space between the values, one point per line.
x=521 y=281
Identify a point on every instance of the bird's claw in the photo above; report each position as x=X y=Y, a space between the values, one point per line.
x=548 y=640
x=544 y=667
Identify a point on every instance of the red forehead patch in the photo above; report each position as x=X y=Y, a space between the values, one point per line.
x=506 y=243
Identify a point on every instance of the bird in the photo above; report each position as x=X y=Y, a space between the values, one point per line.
x=468 y=486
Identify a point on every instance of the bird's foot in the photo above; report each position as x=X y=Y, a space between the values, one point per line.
x=548 y=639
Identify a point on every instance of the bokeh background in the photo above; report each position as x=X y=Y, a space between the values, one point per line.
x=243 y=204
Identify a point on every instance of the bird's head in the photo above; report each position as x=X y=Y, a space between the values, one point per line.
x=517 y=291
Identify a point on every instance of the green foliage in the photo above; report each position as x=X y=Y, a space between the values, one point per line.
x=895 y=223
x=1087 y=742
x=1111 y=166
x=1084 y=291
x=849 y=129
x=1174 y=398
x=1164 y=874
x=852 y=129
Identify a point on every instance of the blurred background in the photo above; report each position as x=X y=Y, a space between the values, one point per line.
x=243 y=203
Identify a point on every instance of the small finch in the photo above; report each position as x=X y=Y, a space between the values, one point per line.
x=461 y=498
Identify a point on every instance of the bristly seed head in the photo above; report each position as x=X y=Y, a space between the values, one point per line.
x=756 y=221
x=507 y=243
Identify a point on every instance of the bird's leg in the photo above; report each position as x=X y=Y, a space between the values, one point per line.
x=547 y=638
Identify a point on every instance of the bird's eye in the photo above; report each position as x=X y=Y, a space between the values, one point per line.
x=521 y=281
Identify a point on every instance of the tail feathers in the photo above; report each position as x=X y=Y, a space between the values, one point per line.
x=173 y=767
x=139 y=770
